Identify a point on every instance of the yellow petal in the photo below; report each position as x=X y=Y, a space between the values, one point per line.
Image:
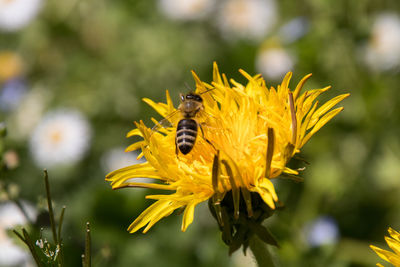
x=300 y=85
x=393 y=244
x=269 y=186
x=320 y=123
x=387 y=255
x=216 y=75
x=188 y=216
x=170 y=104
x=286 y=80
x=146 y=215
x=310 y=98
x=134 y=132
x=161 y=108
x=118 y=177
x=146 y=185
x=161 y=214
x=135 y=146
x=394 y=234
x=266 y=196
x=327 y=106
x=306 y=123
x=175 y=197
x=152 y=214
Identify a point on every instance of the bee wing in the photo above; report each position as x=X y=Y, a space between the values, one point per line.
x=165 y=123
x=208 y=119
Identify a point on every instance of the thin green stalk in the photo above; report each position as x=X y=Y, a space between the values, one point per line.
x=23 y=210
x=88 y=246
x=51 y=213
x=60 y=224
x=27 y=240
x=83 y=260
x=261 y=253
x=61 y=253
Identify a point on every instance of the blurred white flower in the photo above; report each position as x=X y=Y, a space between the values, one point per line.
x=274 y=63
x=249 y=19
x=15 y=14
x=293 y=30
x=239 y=259
x=61 y=138
x=383 y=49
x=186 y=9
x=322 y=231
x=11 y=216
x=12 y=255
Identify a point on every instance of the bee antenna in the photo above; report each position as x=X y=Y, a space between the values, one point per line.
x=206 y=91
x=188 y=87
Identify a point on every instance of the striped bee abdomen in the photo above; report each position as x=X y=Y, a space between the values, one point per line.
x=186 y=133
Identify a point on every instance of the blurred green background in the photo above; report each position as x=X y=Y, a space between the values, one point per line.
x=93 y=60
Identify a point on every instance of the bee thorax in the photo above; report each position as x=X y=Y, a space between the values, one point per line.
x=190 y=108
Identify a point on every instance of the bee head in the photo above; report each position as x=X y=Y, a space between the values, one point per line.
x=195 y=97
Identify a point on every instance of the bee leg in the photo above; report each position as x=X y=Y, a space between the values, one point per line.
x=176 y=149
x=208 y=141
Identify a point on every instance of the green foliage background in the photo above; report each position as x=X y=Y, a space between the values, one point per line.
x=102 y=57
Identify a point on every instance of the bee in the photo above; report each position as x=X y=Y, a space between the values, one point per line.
x=187 y=128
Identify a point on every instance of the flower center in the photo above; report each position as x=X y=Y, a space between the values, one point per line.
x=55 y=136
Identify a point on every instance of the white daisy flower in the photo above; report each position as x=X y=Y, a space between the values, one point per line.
x=61 y=138
x=383 y=50
x=248 y=19
x=186 y=9
x=274 y=62
x=15 y=14
x=322 y=231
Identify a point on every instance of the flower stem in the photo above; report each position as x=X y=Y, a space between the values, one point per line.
x=261 y=253
x=88 y=257
x=50 y=206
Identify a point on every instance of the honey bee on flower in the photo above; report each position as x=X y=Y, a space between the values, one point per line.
x=187 y=128
x=259 y=130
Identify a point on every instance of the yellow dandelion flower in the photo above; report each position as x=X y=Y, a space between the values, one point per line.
x=394 y=243
x=248 y=135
